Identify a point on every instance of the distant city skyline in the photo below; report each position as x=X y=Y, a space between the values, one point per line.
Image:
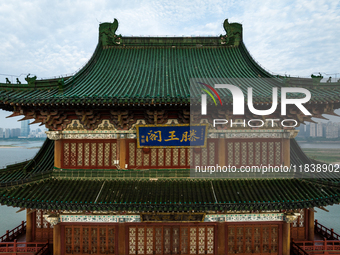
x=329 y=130
x=13 y=122
x=23 y=132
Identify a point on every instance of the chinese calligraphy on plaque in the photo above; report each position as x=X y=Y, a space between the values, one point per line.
x=171 y=136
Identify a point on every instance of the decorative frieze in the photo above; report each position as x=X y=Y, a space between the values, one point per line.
x=100 y=218
x=57 y=135
x=54 y=135
x=172 y=217
x=251 y=133
x=53 y=219
x=244 y=217
x=106 y=130
x=274 y=134
x=102 y=133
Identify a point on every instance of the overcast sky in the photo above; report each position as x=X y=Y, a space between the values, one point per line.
x=52 y=38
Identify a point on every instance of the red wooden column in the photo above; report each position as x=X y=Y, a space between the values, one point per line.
x=56 y=240
x=286 y=239
x=286 y=151
x=310 y=224
x=123 y=238
x=57 y=153
x=221 y=152
x=121 y=144
x=29 y=225
x=221 y=238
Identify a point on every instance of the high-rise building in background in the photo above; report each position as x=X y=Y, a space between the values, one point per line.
x=15 y=132
x=25 y=128
x=319 y=129
x=332 y=130
x=1 y=133
x=312 y=130
x=7 y=133
x=307 y=129
x=302 y=132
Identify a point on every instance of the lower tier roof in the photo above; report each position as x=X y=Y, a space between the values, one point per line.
x=170 y=195
x=37 y=184
x=37 y=168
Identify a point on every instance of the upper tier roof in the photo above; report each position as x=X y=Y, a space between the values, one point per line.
x=159 y=69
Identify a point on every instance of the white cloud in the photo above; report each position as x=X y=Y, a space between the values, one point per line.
x=53 y=38
x=300 y=38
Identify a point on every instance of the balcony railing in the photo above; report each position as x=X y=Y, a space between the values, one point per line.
x=327 y=233
x=14 y=233
x=318 y=246
x=43 y=250
x=23 y=247
x=296 y=249
x=329 y=245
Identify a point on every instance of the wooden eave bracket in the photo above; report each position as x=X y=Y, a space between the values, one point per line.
x=31 y=211
x=323 y=208
x=21 y=209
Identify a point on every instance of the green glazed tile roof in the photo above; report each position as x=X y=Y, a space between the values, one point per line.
x=35 y=184
x=170 y=195
x=158 y=70
x=36 y=168
x=42 y=166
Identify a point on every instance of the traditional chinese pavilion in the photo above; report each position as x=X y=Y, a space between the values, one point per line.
x=94 y=188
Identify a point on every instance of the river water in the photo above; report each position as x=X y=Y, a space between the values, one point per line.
x=14 y=151
x=9 y=154
x=320 y=145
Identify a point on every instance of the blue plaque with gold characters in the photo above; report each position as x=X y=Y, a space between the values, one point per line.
x=181 y=136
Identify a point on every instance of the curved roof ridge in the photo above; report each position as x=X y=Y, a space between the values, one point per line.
x=158 y=70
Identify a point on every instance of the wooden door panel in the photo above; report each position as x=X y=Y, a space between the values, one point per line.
x=171 y=239
x=298 y=227
x=252 y=239
x=82 y=239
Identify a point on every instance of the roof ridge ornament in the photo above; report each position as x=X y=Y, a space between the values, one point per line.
x=233 y=35
x=31 y=80
x=107 y=33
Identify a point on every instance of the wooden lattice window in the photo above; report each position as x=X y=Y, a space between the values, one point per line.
x=253 y=152
x=171 y=239
x=94 y=154
x=40 y=221
x=253 y=239
x=90 y=239
x=298 y=227
x=170 y=157
x=43 y=230
x=155 y=157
